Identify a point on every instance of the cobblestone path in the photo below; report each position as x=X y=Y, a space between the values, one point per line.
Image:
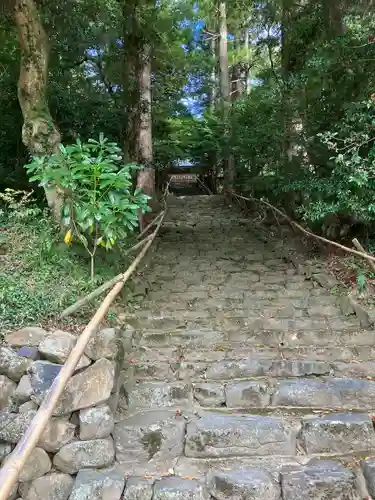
x=245 y=380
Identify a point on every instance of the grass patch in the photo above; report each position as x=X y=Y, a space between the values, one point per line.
x=40 y=275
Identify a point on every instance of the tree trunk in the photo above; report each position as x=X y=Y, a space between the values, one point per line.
x=229 y=165
x=213 y=87
x=39 y=133
x=247 y=79
x=333 y=18
x=146 y=176
x=130 y=72
x=237 y=83
x=286 y=70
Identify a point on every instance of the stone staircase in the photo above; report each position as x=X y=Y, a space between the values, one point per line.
x=244 y=379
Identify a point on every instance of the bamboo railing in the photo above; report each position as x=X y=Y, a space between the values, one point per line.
x=15 y=462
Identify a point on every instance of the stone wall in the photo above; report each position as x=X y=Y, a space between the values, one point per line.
x=79 y=434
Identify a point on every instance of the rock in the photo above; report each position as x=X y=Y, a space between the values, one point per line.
x=57 y=346
x=54 y=486
x=338 y=433
x=82 y=454
x=325 y=280
x=247 y=394
x=327 y=393
x=11 y=365
x=209 y=394
x=149 y=438
x=7 y=391
x=42 y=375
x=159 y=395
x=105 y=484
x=176 y=488
x=368 y=468
x=138 y=488
x=103 y=345
x=30 y=336
x=319 y=480
x=252 y=367
x=57 y=433
x=126 y=338
x=36 y=466
x=5 y=450
x=29 y=352
x=96 y=422
x=346 y=305
x=88 y=388
x=243 y=484
x=216 y=435
x=24 y=390
x=28 y=406
x=362 y=314
x=13 y=425
x=13 y=492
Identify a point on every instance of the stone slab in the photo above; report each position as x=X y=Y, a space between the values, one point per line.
x=243 y=484
x=149 y=441
x=338 y=433
x=319 y=480
x=216 y=435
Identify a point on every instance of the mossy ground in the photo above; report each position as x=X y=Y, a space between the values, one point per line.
x=40 y=275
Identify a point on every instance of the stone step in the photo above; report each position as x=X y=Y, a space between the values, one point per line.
x=162 y=437
x=349 y=355
x=255 y=367
x=216 y=435
x=258 y=314
x=196 y=335
x=324 y=393
x=317 y=479
x=243 y=326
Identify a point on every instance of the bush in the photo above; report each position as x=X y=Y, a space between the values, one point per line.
x=100 y=205
x=349 y=189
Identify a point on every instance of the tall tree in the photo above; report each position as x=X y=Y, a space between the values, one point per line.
x=39 y=132
x=137 y=90
x=229 y=165
x=146 y=176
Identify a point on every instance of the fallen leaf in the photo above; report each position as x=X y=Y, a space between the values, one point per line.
x=221 y=348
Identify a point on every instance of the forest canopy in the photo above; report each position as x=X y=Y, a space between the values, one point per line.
x=277 y=95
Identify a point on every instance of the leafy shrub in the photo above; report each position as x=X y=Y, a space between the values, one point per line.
x=100 y=205
x=18 y=204
x=349 y=188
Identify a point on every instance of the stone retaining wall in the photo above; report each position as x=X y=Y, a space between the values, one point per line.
x=79 y=435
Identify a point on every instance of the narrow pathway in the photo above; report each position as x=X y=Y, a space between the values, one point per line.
x=244 y=376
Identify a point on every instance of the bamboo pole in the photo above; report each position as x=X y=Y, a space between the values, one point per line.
x=102 y=288
x=16 y=460
x=95 y=293
x=139 y=244
x=364 y=255
x=152 y=223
